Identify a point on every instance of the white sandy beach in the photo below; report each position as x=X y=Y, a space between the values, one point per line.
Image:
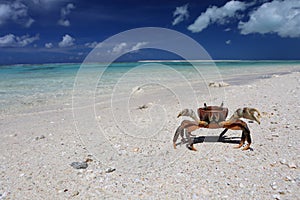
x=38 y=148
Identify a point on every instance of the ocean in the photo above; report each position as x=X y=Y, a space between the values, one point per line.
x=40 y=87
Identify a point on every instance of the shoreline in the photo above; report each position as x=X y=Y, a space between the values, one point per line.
x=63 y=102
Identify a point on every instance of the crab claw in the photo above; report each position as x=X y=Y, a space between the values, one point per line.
x=188 y=113
x=247 y=113
x=253 y=114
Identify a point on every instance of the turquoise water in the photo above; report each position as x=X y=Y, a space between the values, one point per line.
x=25 y=87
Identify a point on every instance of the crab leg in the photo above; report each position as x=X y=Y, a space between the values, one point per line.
x=192 y=127
x=239 y=125
x=179 y=131
x=189 y=127
x=243 y=138
x=186 y=125
x=190 y=142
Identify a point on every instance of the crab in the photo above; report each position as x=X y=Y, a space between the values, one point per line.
x=214 y=117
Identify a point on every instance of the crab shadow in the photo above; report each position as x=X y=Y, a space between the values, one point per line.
x=213 y=139
x=210 y=139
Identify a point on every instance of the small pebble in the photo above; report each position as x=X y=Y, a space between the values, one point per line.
x=218 y=84
x=109 y=170
x=40 y=137
x=2 y=196
x=292 y=165
x=276 y=196
x=275 y=135
x=281 y=192
x=143 y=107
x=273 y=164
x=288 y=178
x=79 y=165
x=274 y=185
x=13 y=135
x=60 y=191
x=88 y=160
x=283 y=161
x=75 y=194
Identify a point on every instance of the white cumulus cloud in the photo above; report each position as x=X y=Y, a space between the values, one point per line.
x=280 y=17
x=125 y=47
x=49 y=45
x=91 y=44
x=119 y=48
x=217 y=15
x=64 y=12
x=16 y=12
x=228 y=42
x=67 y=41
x=10 y=40
x=181 y=13
x=138 y=46
x=64 y=22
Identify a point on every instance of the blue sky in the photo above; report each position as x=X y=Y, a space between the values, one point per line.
x=50 y=31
